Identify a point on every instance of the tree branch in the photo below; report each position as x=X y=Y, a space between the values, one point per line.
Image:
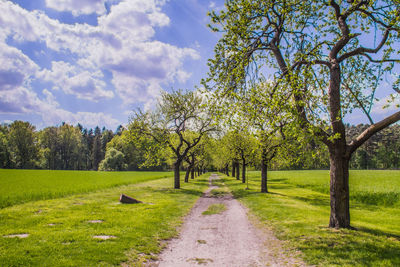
x=371 y=130
x=363 y=50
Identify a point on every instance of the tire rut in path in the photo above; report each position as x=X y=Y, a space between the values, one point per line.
x=225 y=239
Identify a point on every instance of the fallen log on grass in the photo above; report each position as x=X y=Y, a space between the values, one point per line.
x=128 y=200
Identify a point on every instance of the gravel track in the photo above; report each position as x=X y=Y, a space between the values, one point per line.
x=226 y=239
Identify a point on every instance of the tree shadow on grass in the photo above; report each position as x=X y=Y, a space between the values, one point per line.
x=278 y=180
x=352 y=247
x=377 y=232
x=314 y=200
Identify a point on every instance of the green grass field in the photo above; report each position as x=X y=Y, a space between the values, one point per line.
x=375 y=187
x=297 y=209
x=62 y=231
x=21 y=186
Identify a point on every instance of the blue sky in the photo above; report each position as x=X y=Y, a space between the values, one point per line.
x=94 y=61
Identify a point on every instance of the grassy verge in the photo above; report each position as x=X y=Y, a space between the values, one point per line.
x=300 y=215
x=21 y=186
x=61 y=230
x=375 y=187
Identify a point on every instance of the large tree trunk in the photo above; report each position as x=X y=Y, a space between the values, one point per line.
x=339 y=189
x=177 y=181
x=243 y=171
x=227 y=170
x=237 y=171
x=187 y=175
x=339 y=163
x=264 y=173
x=192 y=172
x=233 y=168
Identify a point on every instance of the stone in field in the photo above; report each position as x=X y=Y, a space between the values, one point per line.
x=128 y=200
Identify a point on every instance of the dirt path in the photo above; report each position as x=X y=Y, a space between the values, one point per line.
x=226 y=239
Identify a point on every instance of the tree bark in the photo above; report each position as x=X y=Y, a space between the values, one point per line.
x=243 y=171
x=177 y=181
x=187 y=175
x=339 y=189
x=192 y=173
x=264 y=173
x=338 y=156
x=233 y=168
x=237 y=171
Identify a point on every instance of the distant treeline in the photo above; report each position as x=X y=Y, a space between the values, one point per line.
x=65 y=147
x=68 y=147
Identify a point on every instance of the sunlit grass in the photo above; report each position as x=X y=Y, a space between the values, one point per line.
x=21 y=186
x=301 y=215
x=61 y=230
x=376 y=187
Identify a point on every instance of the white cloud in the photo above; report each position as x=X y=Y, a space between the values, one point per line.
x=22 y=100
x=15 y=68
x=122 y=43
x=386 y=106
x=76 y=81
x=78 y=7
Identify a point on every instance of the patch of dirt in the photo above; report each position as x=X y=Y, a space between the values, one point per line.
x=16 y=235
x=226 y=239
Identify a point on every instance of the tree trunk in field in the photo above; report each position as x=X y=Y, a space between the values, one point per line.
x=237 y=171
x=227 y=170
x=192 y=173
x=244 y=171
x=264 y=173
x=339 y=189
x=233 y=168
x=187 y=175
x=177 y=181
x=339 y=163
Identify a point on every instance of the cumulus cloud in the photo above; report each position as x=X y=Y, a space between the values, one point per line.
x=386 y=106
x=76 y=81
x=22 y=100
x=15 y=68
x=78 y=7
x=122 y=44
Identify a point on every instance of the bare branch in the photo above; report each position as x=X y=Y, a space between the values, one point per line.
x=363 y=50
x=371 y=130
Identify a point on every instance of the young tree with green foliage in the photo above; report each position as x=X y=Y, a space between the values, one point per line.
x=242 y=145
x=195 y=157
x=113 y=161
x=324 y=60
x=50 y=147
x=179 y=122
x=23 y=144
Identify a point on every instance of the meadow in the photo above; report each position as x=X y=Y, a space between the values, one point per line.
x=93 y=228
x=297 y=209
x=21 y=186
